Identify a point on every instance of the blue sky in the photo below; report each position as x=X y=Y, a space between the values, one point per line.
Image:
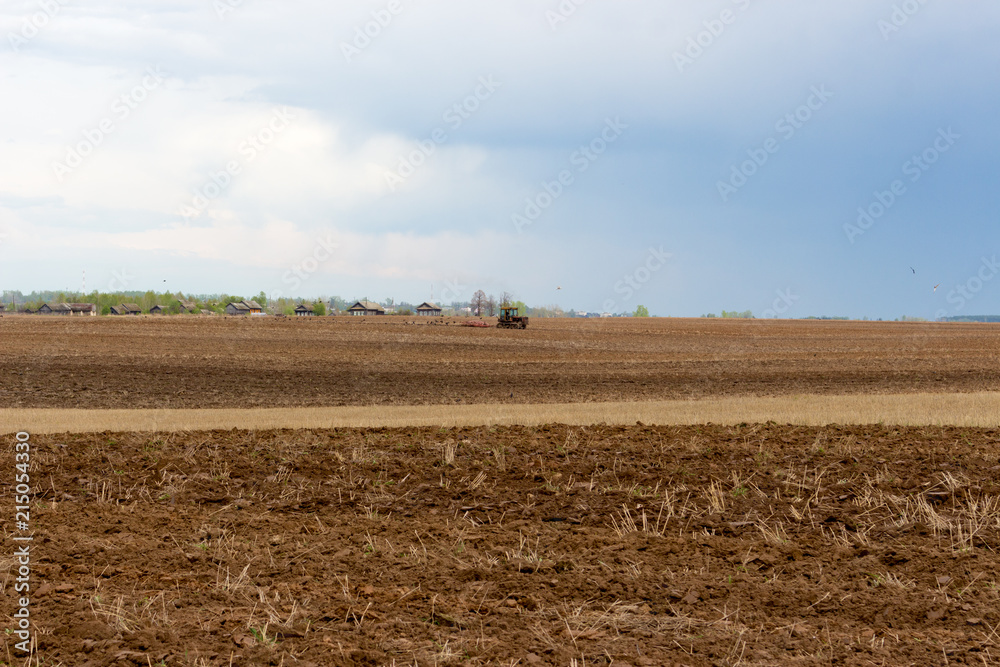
x=691 y=157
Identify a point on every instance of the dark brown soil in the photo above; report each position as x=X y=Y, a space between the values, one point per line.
x=203 y=362
x=750 y=545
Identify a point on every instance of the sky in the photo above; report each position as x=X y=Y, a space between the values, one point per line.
x=829 y=158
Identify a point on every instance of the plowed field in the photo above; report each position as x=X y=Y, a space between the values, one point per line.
x=196 y=362
x=752 y=545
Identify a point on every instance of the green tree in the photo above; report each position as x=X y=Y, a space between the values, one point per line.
x=261 y=299
x=319 y=308
x=641 y=311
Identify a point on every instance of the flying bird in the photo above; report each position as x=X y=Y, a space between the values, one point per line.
x=559 y=288
x=936 y=286
x=913 y=269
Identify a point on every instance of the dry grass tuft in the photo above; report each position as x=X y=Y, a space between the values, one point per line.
x=624 y=523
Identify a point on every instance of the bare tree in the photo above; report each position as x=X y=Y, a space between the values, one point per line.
x=491 y=305
x=506 y=299
x=478 y=302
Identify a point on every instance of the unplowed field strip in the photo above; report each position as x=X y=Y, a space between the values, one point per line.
x=974 y=409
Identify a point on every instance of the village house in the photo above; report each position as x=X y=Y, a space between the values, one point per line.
x=243 y=308
x=55 y=309
x=158 y=310
x=304 y=310
x=68 y=309
x=366 y=308
x=188 y=307
x=428 y=309
x=126 y=309
x=83 y=309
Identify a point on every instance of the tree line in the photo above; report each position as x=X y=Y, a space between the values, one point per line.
x=170 y=302
x=481 y=304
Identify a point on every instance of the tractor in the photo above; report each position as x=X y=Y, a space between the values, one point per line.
x=509 y=319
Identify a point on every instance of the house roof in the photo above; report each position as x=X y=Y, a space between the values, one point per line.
x=427 y=305
x=303 y=306
x=366 y=305
x=63 y=307
x=132 y=307
x=187 y=305
x=158 y=307
x=82 y=306
x=244 y=305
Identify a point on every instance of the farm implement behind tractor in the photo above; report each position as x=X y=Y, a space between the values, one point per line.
x=509 y=319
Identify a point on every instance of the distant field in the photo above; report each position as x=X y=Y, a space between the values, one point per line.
x=196 y=362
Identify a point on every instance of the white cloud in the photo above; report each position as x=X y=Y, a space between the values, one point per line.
x=279 y=244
